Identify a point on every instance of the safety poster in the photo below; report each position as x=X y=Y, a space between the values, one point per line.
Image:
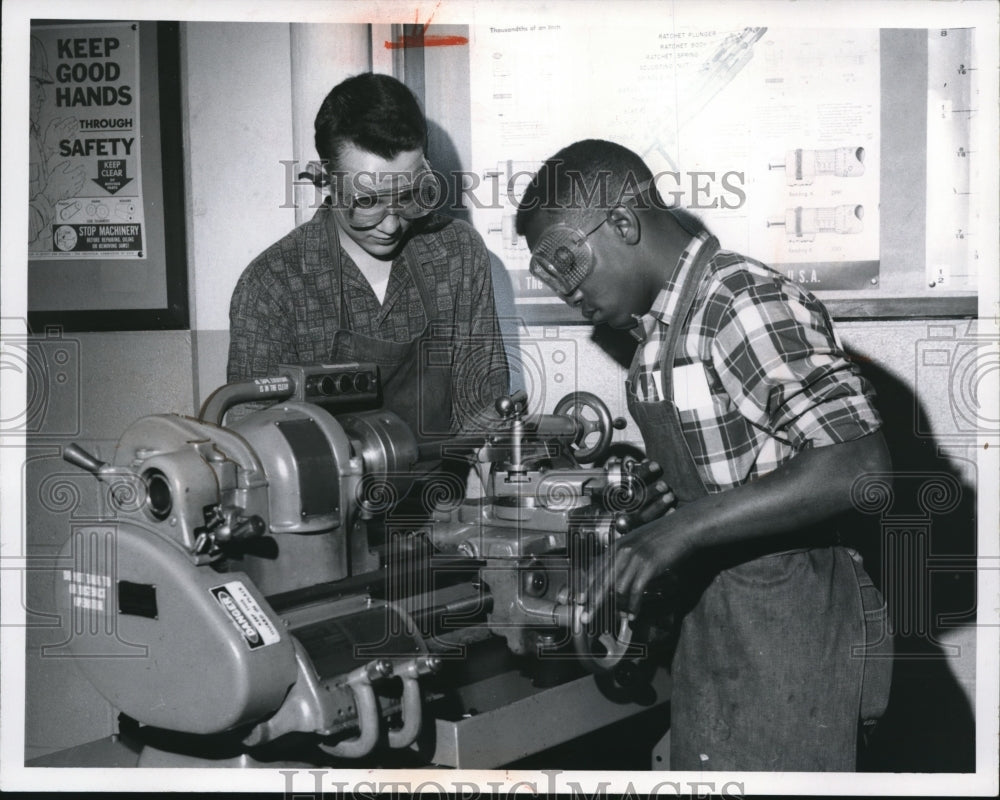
x=85 y=173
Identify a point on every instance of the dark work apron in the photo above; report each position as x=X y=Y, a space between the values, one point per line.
x=416 y=375
x=769 y=665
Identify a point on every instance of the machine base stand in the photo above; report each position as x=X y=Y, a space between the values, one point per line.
x=153 y=757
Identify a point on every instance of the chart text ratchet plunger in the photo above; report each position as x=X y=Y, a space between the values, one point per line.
x=715 y=73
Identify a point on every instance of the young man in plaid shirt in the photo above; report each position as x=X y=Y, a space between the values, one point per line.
x=761 y=424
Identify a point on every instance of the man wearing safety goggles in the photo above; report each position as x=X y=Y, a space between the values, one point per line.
x=743 y=395
x=377 y=195
x=377 y=275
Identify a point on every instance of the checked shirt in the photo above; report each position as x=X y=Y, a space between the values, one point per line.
x=759 y=374
x=287 y=306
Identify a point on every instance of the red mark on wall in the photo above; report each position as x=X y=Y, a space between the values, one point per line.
x=422 y=39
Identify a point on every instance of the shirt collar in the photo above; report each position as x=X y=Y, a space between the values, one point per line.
x=665 y=305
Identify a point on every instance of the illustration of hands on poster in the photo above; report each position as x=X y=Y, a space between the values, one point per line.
x=85 y=181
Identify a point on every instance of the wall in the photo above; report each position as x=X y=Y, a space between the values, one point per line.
x=236 y=133
x=922 y=543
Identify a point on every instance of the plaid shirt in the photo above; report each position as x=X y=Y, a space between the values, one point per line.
x=759 y=374
x=286 y=307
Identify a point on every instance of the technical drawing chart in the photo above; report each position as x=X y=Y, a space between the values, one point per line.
x=743 y=128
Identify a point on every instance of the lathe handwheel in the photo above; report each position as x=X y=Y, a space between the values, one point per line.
x=573 y=405
x=601 y=651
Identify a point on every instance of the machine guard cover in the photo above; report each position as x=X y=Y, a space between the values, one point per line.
x=210 y=657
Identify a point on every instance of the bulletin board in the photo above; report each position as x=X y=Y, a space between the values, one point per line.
x=106 y=230
x=842 y=158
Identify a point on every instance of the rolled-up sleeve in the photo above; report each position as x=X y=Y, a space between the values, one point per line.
x=780 y=362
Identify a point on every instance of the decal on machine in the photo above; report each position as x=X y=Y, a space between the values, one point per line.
x=246 y=614
x=87 y=589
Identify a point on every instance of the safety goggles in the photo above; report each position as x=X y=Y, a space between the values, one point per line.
x=563 y=258
x=367 y=208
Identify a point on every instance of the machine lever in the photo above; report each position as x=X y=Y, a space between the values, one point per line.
x=79 y=457
x=411 y=713
x=360 y=683
x=412 y=710
x=512 y=405
x=611 y=645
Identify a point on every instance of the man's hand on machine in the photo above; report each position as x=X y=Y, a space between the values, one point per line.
x=639 y=562
x=659 y=499
x=642 y=563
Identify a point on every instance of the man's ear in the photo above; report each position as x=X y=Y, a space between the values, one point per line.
x=625 y=224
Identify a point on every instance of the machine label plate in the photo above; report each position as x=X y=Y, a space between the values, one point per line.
x=246 y=614
x=87 y=589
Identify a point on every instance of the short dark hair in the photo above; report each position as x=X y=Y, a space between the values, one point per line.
x=586 y=175
x=374 y=112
